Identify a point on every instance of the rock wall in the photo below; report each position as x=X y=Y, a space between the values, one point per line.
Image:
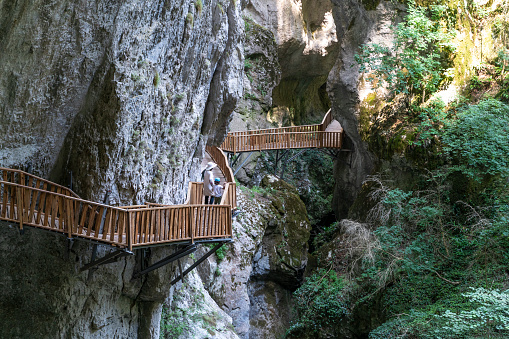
x=357 y=23
x=305 y=33
x=265 y=264
x=119 y=86
x=125 y=96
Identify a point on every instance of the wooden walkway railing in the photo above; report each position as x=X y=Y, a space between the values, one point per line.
x=29 y=200
x=308 y=136
x=26 y=199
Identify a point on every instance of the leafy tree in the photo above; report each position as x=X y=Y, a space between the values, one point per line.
x=478 y=140
x=416 y=63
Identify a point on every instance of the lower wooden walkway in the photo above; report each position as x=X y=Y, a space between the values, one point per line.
x=29 y=200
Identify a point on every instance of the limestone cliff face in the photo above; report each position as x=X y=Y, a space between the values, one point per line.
x=305 y=33
x=355 y=25
x=265 y=264
x=131 y=90
x=124 y=95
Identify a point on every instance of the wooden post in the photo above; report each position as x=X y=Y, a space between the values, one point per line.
x=19 y=193
x=69 y=212
x=130 y=224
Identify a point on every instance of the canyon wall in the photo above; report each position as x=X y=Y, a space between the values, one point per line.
x=122 y=97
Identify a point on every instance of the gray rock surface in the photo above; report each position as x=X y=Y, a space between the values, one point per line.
x=356 y=25
x=125 y=95
x=253 y=283
x=307 y=46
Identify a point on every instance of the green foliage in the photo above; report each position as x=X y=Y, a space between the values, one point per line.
x=190 y=19
x=221 y=253
x=171 y=325
x=417 y=62
x=431 y=117
x=247 y=25
x=481 y=313
x=326 y=235
x=319 y=302
x=478 y=140
x=429 y=250
x=157 y=80
x=491 y=315
x=501 y=64
x=476 y=83
x=199 y=6
x=247 y=65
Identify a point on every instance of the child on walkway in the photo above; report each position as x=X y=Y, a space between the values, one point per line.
x=218 y=191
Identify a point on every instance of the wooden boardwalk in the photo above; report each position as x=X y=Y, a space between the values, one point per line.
x=28 y=200
x=328 y=134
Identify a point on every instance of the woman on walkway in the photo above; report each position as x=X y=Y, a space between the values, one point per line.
x=208 y=183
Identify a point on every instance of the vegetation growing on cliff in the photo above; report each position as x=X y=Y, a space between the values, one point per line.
x=416 y=63
x=430 y=259
x=435 y=257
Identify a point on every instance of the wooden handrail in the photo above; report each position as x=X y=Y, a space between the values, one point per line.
x=222 y=162
x=327 y=119
x=63 y=195
x=32 y=180
x=126 y=227
x=281 y=130
x=267 y=141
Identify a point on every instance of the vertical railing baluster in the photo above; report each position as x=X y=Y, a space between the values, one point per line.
x=191 y=221
x=130 y=229
x=19 y=193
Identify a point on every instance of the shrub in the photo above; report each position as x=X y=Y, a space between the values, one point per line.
x=477 y=140
x=415 y=64
x=319 y=302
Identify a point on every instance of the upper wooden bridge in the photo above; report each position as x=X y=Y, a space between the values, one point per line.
x=328 y=134
x=28 y=200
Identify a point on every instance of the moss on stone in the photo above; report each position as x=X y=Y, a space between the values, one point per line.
x=287 y=233
x=370 y=5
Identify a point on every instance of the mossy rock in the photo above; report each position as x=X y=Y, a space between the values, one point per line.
x=287 y=233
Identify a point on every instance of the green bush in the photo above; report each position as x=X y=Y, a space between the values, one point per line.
x=478 y=140
x=320 y=302
x=483 y=313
